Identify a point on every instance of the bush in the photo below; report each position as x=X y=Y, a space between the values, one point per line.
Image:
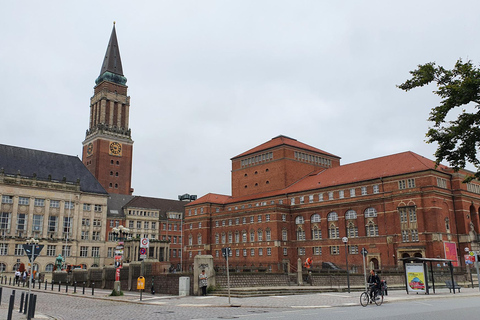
x=116 y=293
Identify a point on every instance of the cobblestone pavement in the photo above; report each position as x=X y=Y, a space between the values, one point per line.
x=63 y=306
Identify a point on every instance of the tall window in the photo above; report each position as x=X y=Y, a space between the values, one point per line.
x=199 y=238
x=67 y=225
x=69 y=205
x=252 y=236
x=3 y=249
x=244 y=236
x=21 y=222
x=300 y=234
x=37 y=223
x=95 y=251
x=5 y=221
x=408 y=223
x=352 y=230
x=371 y=229
x=333 y=232
x=284 y=235
x=52 y=224
x=316 y=234
x=260 y=235
x=268 y=235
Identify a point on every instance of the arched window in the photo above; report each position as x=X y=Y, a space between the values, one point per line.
x=244 y=236
x=299 y=220
x=332 y=216
x=3 y=267
x=352 y=230
x=447 y=224
x=284 y=235
x=350 y=215
x=300 y=234
x=223 y=238
x=316 y=233
x=230 y=237
x=315 y=218
x=333 y=232
x=217 y=238
x=252 y=235
x=237 y=237
x=190 y=240
x=16 y=266
x=260 y=235
x=371 y=229
x=370 y=213
x=199 y=238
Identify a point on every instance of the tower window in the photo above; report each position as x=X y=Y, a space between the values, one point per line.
x=116 y=185
x=110 y=185
x=116 y=174
x=111 y=161
x=118 y=163
x=111 y=173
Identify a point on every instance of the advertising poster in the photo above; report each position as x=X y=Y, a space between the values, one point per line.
x=451 y=252
x=415 y=277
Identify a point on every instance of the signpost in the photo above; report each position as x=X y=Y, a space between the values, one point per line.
x=364 y=254
x=32 y=249
x=144 y=244
x=226 y=252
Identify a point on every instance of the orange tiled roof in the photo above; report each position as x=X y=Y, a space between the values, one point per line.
x=283 y=140
x=391 y=165
x=211 y=198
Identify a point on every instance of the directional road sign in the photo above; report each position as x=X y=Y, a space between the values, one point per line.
x=36 y=251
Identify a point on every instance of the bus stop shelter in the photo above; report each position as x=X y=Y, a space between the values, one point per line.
x=424 y=262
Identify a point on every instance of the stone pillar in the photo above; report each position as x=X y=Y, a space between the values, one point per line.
x=299 y=272
x=203 y=262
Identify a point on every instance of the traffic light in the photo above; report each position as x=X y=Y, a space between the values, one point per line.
x=226 y=251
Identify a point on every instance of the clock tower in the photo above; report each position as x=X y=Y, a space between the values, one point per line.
x=108 y=146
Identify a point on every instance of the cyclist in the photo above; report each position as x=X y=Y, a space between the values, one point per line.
x=374 y=282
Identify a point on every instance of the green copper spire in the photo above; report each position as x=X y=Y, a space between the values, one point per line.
x=112 y=64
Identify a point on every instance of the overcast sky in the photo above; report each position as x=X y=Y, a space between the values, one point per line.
x=209 y=80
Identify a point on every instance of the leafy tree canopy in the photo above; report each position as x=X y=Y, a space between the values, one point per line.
x=458 y=140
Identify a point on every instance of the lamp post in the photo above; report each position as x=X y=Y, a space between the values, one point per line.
x=345 y=240
x=32 y=242
x=121 y=233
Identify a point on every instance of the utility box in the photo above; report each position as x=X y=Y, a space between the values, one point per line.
x=184 y=286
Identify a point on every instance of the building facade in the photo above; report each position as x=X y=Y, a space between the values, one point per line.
x=108 y=146
x=290 y=200
x=55 y=199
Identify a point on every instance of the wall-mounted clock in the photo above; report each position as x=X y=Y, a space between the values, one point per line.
x=116 y=149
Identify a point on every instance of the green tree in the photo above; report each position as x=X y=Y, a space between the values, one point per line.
x=458 y=140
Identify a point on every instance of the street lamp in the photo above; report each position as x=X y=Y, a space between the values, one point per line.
x=32 y=242
x=121 y=233
x=345 y=240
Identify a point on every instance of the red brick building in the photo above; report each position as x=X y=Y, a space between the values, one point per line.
x=290 y=200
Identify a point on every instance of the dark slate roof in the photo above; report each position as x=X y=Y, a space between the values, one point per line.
x=44 y=164
x=163 y=205
x=115 y=204
x=112 y=62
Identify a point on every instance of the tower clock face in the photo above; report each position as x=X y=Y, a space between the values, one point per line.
x=90 y=149
x=116 y=148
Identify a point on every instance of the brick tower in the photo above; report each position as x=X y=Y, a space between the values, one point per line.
x=108 y=146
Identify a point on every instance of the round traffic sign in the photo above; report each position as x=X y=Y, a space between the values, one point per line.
x=143 y=251
x=144 y=241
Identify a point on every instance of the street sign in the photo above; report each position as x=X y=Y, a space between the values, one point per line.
x=144 y=242
x=143 y=253
x=36 y=251
x=364 y=252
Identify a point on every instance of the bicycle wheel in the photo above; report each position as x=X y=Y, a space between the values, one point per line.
x=364 y=299
x=379 y=299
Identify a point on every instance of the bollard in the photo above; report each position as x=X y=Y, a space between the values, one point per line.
x=75 y=287
x=52 y=285
x=10 y=281
x=21 y=302
x=25 y=305
x=59 y=285
x=1 y=293
x=10 y=307
x=30 y=307
x=46 y=284
x=39 y=284
x=66 y=287
x=93 y=288
x=34 y=305
x=83 y=287
x=13 y=293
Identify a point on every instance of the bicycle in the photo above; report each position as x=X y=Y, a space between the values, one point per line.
x=366 y=297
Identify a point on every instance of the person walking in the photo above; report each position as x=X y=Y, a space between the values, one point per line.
x=202 y=282
x=17 y=276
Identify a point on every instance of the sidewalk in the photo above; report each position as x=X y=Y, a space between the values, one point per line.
x=312 y=300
